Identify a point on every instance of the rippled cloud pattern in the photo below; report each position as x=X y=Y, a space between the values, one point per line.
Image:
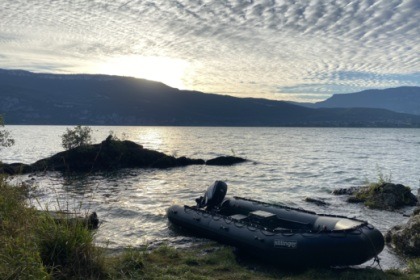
x=277 y=49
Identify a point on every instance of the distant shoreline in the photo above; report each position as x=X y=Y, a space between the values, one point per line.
x=33 y=99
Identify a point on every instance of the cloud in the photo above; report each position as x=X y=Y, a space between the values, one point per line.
x=245 y=48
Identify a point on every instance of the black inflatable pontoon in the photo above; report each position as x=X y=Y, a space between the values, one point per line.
x=280 y=234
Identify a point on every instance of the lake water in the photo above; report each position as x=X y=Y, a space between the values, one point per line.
x=285 y=166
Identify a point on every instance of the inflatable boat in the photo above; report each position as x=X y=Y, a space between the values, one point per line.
x=280 y=234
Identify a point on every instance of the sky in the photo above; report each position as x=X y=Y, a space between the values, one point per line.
x=276 y=49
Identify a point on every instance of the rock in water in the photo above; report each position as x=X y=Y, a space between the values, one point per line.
x=385 y=196
x=318 y=202
x=109 y=155
x=225 y=160
x=405 y=239
x=345 y=191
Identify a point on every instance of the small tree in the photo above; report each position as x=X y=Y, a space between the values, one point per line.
x=76 y=137
x=5 y=139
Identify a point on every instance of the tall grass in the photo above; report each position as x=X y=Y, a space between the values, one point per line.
x=19 y=255
x=36 y=245
x=67 y=248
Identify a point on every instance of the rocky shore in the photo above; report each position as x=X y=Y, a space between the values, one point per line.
x=405 y=238
x=382 y=196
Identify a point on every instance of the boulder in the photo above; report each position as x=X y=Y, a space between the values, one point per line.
x=316 y=201
x=14 y=168
x=385 y=196
x=345 y=191
x=405 y=239
x=225 y=160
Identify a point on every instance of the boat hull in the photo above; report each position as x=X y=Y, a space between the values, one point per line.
x=291 y=248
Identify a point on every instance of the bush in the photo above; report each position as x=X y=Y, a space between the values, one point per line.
x=76 y=137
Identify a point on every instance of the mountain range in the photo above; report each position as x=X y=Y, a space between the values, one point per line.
x=56 y=99
x=402 y=99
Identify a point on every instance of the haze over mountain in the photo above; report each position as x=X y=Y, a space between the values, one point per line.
x=400 y=99
x=51 y=99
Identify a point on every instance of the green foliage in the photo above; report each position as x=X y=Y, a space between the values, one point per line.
x=66 y=248
x=19 y=257
x=34 y=245
x=5 y=138
x=219 y=262
x=128 y=265
x=382 y=178
x=414 y=268
x=76 y=137
x=366 y=193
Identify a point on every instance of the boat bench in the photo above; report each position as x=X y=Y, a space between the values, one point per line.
x=271 y=220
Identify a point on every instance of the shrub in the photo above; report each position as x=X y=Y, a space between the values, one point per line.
x=76 y=137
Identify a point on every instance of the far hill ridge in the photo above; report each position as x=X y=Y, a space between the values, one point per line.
x=54 y=99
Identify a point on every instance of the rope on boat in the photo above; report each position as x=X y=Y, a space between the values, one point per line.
x=376 y=259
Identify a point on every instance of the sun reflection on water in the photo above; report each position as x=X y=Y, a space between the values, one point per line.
x=152 y=138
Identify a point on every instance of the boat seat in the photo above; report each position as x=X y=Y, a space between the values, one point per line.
x=259 y=214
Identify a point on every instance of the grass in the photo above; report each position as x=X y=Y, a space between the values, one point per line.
x=37 y=246
x=215 y=262
x=19 y=255
x=67 y=248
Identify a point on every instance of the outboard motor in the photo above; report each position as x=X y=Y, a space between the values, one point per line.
x=213 y=196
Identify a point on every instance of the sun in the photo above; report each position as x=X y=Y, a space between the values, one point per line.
x=170 y=71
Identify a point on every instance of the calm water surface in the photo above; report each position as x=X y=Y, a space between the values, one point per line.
x=286 y=165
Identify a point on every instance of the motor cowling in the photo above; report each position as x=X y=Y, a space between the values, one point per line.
x=213 y=196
